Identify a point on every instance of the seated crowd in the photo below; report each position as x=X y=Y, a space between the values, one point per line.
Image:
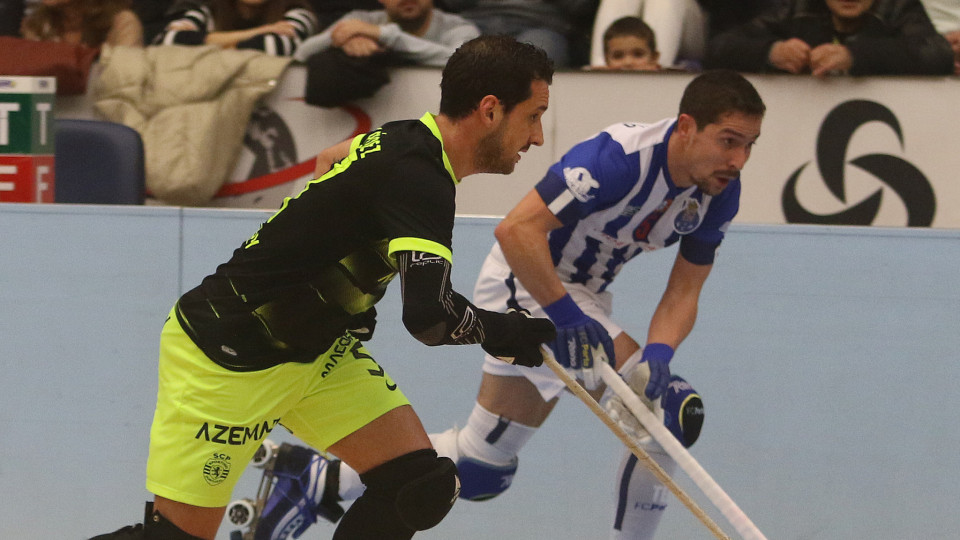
x=347 y=46
x=820 y=37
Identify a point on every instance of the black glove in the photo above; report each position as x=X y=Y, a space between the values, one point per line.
x=515 y=337
x=361 y=325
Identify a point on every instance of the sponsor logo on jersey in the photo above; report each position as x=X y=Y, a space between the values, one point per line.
x=422 y=258
x=235 y=435
x=345 y=344
x=643 y=229
x=580 y=183
x=216 y=469
x=370 y=144
x=689 y=218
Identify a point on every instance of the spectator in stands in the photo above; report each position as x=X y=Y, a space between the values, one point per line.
x=680 y=26
x=630 y=44
x=153 y=16
x=11 y=13
x=330 y=11
x=84 y=22
x=723 y=15
x=276 y=27
x=414 y=31
x=834 y=37
x=559 y=27
x=945 y=15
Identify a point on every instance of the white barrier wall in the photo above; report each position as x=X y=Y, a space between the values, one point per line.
x=838 y=151
x=825 y=357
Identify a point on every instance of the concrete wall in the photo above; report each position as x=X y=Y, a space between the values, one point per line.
x=826 y=358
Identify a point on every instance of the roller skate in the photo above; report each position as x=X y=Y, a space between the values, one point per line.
x=298 y=486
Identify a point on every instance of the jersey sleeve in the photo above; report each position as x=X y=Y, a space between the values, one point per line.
x=700 y=246
x=304 y=23
x=195 y=20
x=590 y=176
x=417 y=206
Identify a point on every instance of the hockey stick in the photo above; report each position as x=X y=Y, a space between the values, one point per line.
x=626 y=439
x=734 y=515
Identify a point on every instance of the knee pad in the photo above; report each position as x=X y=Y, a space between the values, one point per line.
x=155 y=527
x=422 y=486
x=682 y=411
x=482 y=481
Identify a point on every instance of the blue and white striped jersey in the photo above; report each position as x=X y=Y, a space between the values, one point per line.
x=615 y=198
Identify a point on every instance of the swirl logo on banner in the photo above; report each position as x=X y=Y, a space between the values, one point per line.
x=899 y=175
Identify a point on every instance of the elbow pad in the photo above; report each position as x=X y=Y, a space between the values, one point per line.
x=433 y=312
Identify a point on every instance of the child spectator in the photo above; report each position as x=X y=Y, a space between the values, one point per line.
x=276 y=27
x=680 y=25
x=630 y=44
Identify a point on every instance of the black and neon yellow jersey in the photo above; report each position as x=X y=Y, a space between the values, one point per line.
x=327 y=254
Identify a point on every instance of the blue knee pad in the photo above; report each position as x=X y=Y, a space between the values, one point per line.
x=480 y=481
x=682 y=411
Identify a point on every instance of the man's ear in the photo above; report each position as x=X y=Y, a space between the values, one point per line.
x=490 y=109
x=686 y=125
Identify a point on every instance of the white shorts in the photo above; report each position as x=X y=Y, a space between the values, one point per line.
x=493 y=291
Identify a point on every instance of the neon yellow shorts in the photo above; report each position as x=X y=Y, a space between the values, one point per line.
x=209 y=420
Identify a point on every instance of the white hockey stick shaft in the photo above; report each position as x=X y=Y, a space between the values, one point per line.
x=634 y=447
x=737 y=518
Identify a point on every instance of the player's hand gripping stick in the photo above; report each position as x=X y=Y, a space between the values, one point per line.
x=581 y=341
x=657 y=356
x=515 y=337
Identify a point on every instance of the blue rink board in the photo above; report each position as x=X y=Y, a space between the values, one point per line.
x=826 y=358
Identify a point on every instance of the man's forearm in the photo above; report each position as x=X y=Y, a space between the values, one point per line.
x=528 y=255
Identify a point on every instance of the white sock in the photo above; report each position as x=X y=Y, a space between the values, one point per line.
x=640 y=498
x=491 y=438
x=351 y=488
x=486 y=437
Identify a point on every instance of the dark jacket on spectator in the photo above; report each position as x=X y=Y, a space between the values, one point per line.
x=11 y=13
x=897 y=38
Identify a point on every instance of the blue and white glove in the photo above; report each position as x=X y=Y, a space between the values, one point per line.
x=581 y=341
x=657 y=356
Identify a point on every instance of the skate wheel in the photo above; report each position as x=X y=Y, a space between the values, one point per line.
x=241 y=512
x=263 y=455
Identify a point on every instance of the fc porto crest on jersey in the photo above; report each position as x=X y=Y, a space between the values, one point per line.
x=580 y=183
x=687 y=219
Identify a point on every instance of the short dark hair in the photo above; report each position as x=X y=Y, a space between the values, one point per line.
x=712 y=94
x=491 y=65
x=630 y=26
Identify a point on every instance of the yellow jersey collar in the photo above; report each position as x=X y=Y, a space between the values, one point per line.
x=428 y=120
